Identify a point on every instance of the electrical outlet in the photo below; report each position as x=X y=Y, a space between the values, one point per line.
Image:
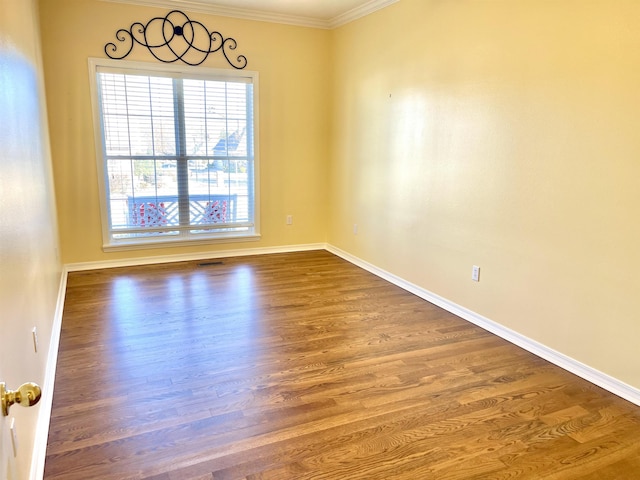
x=289 y=219
x=475 y=273
x=355 y=228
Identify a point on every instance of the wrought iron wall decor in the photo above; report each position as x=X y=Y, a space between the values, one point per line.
x=175 y=37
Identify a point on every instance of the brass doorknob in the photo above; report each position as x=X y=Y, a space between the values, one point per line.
x=27 y=395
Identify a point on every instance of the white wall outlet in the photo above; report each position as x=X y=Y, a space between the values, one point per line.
x=475 y=273
x=289 y=219
x=34 y=334
x=355 y=228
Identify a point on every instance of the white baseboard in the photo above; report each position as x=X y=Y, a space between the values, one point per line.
x=129 y=262
x=46 y=400
x=586 y=372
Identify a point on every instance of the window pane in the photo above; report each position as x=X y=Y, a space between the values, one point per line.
x=137 y=115
x=215 y=117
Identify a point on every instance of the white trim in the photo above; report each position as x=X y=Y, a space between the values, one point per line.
x=200 y=6
x=46 y=401
x=359 y=12
x=561 y=360
x=186 y=257
x=179 y=242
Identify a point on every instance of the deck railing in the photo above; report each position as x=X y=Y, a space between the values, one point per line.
x=163 y=210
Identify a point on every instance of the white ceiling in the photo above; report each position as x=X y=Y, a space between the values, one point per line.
x=310 y=13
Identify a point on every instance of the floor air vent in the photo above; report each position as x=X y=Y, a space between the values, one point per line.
x=210 y=264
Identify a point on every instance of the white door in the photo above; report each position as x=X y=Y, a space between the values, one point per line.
x=29 y=268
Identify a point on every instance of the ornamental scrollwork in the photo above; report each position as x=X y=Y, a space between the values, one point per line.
x=175 y=37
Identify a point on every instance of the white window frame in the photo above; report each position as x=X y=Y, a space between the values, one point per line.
x=132 y=67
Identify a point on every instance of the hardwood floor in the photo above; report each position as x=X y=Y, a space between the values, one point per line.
x=303 y=366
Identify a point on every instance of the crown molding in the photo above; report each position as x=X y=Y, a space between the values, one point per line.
x=200 y=6
x=359 y=12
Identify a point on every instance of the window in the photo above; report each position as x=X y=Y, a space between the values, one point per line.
x=176 y=153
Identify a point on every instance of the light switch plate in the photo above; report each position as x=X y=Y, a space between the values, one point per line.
x=14 y=436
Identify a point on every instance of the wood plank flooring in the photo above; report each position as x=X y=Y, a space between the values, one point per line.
x=303 y=366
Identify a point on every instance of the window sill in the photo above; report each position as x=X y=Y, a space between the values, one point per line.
x=170 y=243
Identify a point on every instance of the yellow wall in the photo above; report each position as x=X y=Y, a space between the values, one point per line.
x=503 y=134
x=30 y=270
x=293 y=64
